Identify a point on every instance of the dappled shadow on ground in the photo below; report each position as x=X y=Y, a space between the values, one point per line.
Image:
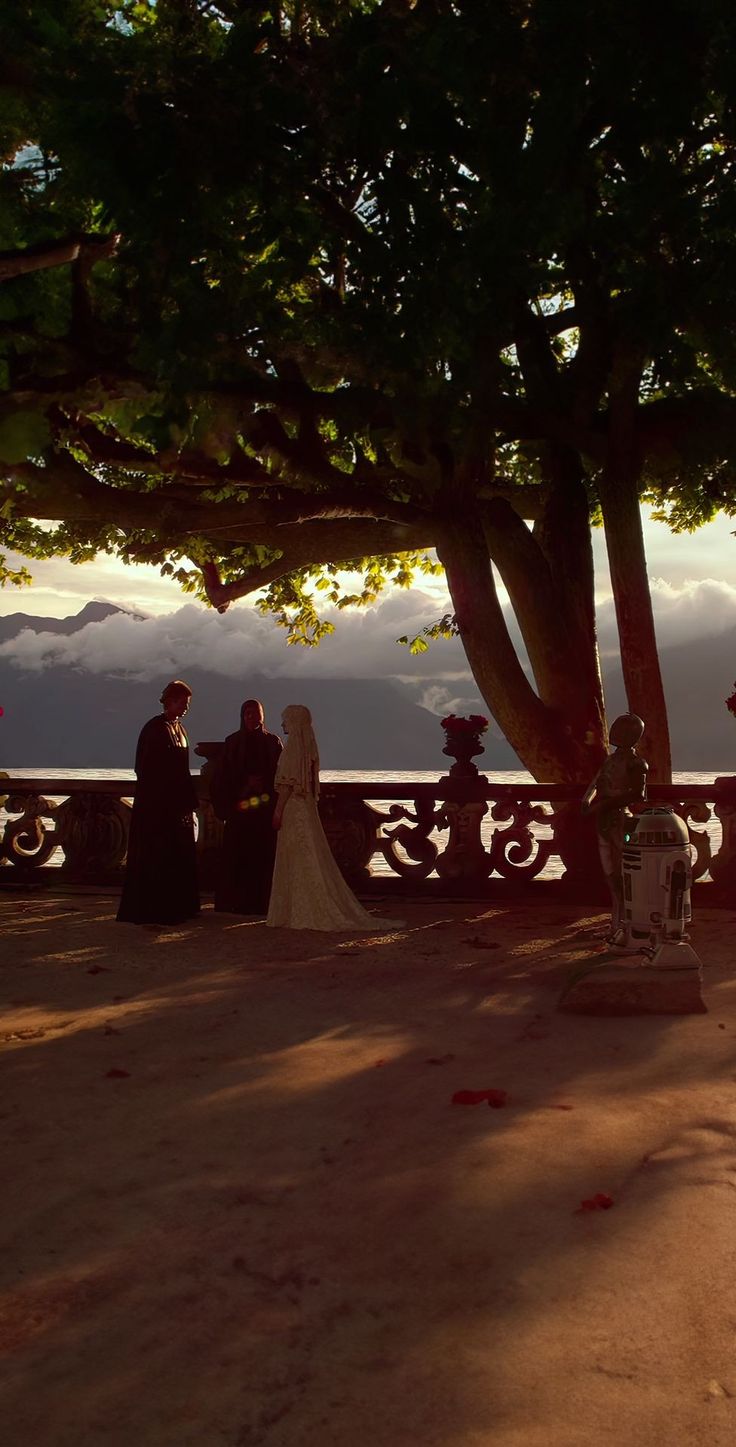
x=252 y=1215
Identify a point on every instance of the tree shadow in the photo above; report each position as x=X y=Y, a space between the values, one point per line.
x=275 y=1227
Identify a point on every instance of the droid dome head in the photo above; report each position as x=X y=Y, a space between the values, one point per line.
x=659 y=828
x=626 y=730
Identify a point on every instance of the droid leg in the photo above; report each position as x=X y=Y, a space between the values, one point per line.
x=619 y=937
x=672 y=954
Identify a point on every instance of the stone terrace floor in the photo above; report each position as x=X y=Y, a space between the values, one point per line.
x=239 y=1209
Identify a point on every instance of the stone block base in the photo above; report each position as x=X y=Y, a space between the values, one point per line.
x=610 y=986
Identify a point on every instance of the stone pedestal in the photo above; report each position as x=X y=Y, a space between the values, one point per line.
x=723 y=865
x=464 y=857
x=610 y=986
x=464 y=860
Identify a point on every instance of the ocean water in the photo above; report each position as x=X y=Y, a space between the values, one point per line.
x=417 y=776
x=349 y=776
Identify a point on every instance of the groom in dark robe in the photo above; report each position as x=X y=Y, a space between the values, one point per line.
x=242 y=793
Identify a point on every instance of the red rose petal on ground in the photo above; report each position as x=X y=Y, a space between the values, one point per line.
x=495 y=1098
x=117 y=1074
x=599 y=1202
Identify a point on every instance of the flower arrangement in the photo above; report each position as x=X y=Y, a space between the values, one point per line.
x=475 y=724
x=731 y=702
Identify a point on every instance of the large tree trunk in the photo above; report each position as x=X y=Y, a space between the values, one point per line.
x=635 y=619
x=562 y=532
x=549 y=578
x=619 y=496
x=549 y=736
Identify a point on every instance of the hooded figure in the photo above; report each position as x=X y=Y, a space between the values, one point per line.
x=242 y=793
x=299 y=763
x=308 y=891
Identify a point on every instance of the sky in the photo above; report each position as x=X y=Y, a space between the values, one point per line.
x=59 y=588
x=693 y=579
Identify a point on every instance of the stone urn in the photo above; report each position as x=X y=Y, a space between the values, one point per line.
x=463 y=743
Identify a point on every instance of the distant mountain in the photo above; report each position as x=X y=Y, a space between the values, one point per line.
x=67 y=718
x=62 y=718
x=698 y=677
x=14 y=623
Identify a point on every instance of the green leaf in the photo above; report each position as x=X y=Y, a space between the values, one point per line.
x=23 y=435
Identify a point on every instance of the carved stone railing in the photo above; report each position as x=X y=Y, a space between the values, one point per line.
x=475 y=840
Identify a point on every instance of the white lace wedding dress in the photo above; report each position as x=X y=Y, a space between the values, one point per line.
x=308 y=890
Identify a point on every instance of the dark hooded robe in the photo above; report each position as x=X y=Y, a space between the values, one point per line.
x=243 y=797
x=160 y=885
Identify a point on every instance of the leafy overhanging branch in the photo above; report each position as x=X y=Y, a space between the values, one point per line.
x=358 y=310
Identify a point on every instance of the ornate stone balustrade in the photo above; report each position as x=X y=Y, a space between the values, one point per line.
x=471 y=837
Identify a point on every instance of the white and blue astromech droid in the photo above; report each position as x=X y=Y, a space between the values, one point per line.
x=657 y=877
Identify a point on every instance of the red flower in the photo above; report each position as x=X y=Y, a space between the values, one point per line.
x=731 y=702
x=475 y=724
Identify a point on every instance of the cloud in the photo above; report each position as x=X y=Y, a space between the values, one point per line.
x=363 y=645
x=700 y=608
x=683 y=613
x=243 y=642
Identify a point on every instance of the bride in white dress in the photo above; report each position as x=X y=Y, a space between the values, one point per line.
x=308 y=890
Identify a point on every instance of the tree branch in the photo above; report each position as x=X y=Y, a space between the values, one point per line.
x=527 y=501
x=672 y=428
x=556 y=323
x=312 y=543
x=57 y=253
x=101 y=448
x=65 y=491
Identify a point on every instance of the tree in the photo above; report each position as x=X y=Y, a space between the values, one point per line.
x=289 y=288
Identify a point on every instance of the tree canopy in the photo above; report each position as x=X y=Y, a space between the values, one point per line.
x=285 y=288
